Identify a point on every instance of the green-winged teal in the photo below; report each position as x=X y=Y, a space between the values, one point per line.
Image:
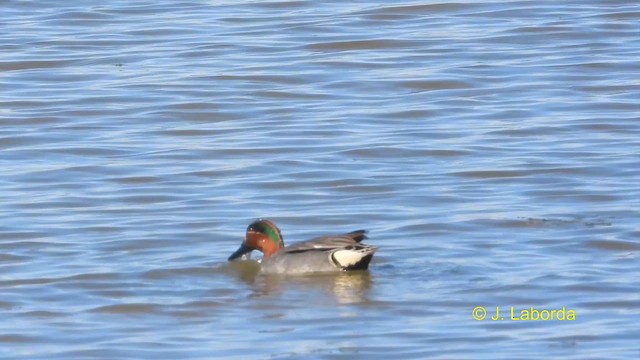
x=323 y=254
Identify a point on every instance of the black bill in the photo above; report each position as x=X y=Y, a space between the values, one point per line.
x=241 y=251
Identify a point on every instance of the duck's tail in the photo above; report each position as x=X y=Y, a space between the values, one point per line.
x=353 y=257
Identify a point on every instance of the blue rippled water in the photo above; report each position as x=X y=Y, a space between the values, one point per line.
x=491 y=148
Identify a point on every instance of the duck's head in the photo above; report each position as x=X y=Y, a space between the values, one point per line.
x=262 y=235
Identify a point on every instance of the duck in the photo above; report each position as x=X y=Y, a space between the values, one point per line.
x=331 y=253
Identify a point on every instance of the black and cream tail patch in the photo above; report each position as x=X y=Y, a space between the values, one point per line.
x=353 y=257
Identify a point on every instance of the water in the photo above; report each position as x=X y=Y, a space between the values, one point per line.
x=491 y=149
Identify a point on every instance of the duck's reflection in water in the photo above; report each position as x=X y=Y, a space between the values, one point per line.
x=346 y=287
